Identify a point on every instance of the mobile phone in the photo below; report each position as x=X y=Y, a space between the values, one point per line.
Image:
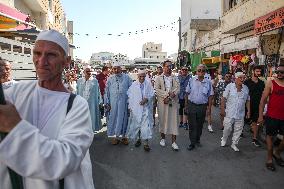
x=2 y=97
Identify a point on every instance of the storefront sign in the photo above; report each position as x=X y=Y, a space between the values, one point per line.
x=269 y=22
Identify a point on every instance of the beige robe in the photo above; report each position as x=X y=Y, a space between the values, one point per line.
x=168 y=116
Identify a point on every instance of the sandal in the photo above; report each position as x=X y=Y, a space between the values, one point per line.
x=138 y=143
x=125 y=141
x=147 y=148
x=270 y=166
x=115 y=141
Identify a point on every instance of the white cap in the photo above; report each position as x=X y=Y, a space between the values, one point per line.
x=116 y=64
x=55 y=37
x=141 y=72
x=123 y=68
x=238 y=74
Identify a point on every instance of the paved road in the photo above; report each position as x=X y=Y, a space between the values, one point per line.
x=210 y=166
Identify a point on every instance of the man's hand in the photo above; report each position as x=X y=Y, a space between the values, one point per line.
x=166 y=100
x=144 y=101
x=172 y=95
x=9 y=117
x=260 y=119
x=222 y=112
x=248 y=115
x=107 y=107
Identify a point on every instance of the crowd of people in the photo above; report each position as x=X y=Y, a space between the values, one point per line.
x=47 y=125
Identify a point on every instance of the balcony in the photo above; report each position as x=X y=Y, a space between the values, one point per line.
x=241 y=18
x=36 y=5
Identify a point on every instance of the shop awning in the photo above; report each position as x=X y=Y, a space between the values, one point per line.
x=211 y=60
x=11 y=18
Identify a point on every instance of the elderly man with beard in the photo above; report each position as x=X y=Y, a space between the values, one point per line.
x=167 y=89
x=256 y=87
x=235 y=99
x=88 y=88
x=5 y=74
x=274 y=90
x=116 y=106
x=140 y=96
x=45 y=130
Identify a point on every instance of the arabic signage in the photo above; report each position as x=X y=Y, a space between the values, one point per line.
x=269 y=22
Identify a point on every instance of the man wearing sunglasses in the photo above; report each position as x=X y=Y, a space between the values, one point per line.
x=274 y=121
x=199 y=94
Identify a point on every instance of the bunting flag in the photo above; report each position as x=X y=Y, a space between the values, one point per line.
x=171 y=27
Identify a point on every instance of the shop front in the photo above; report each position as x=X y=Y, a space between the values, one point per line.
x=270 y=29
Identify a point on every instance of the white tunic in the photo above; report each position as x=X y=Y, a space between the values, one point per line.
x=58 y=149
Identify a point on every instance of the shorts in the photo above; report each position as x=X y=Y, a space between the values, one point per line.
x=274 y=126
x=254 y=111
x=181 y=107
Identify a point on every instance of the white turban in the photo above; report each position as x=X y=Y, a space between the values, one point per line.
x=55 y=37
x=140 y=72
x=238 y=74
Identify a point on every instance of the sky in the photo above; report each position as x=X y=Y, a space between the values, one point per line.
x=98 y=18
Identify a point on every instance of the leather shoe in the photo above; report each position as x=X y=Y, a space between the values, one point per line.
x=191 y=147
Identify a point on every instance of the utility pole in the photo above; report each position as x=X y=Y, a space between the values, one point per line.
x=179 y=35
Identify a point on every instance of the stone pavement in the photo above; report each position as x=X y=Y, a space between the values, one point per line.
x=207 y=167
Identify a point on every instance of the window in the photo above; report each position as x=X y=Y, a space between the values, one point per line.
x=157 y=56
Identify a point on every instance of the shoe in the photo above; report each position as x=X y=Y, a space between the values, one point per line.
x=279 y=161
x=180 y=124
x=235 y=148
x=138 y=143
x=191 y=147
x=175 y=146
x=163 y=142
x=223 y=143
x=125 y=141
x=242 y=135
x=147 y=148
x=198 y=144
x=115 y=141
x=210 y=128
x=256 y=143
x=270 y=166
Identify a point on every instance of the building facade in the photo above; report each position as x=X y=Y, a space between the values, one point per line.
x=197 y=17
x=101 y=57
x=16 y=43
x=154 y=51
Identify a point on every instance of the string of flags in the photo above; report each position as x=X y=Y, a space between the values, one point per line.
x=170 y=26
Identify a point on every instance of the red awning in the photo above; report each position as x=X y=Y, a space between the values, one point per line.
x=11 y=18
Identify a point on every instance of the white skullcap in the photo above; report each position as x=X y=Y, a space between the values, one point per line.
x=116 y=64
x=123 y=68
x=87 y=66
x=141 y=72
x=55 y=37
x=238 y=74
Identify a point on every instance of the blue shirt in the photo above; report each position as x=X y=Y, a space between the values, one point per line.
x=183 y=80
x=199 y=91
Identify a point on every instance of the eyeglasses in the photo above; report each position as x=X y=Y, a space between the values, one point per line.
x=279 y=71
x=200 y=70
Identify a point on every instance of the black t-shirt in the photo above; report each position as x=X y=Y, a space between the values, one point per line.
x=255 y=89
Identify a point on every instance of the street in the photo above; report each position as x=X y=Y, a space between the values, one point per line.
x=208 y=166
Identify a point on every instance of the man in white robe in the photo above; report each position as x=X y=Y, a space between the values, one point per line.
x=88 y=88
x=5 y=74
x=44 y=143
x=140 y=123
